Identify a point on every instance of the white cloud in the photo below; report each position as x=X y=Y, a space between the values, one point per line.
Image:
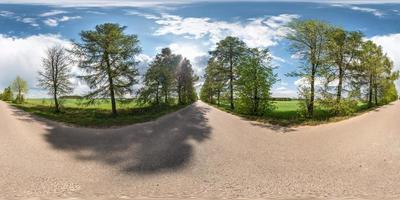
x=256 y=32
x=17 y=57
x=373 y=11
x=141 y=14
x=55 y=21
x=283 y=91
x=197 y=54
x=5 y=13
x=12 y=15
x=389 y=45
x=51 y=22
x=155 y=3
x=52 y=13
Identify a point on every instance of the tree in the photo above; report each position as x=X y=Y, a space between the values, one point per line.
x=185 y=79
x=308 y=41
x=229 y=52
x=107 y=56
x=7 y=94
x=159 y=79
x=255 y=79
x=215 y=80
x=369 y=68
x=55 y=74
x=343 y=49
x=20 y=87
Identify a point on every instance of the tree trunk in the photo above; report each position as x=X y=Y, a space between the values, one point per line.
x=179 y=95
x=112 y=94
x=340 y=85
x=376 y=93
x=310 y=106
x=113 y=105
x=157 y=93
x=370 y=91
x=231 y=80
x=255 y=108
x=56 y=101
x=218 y=96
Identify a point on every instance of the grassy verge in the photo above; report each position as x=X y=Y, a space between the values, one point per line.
x=286 y=113
x=98 y=115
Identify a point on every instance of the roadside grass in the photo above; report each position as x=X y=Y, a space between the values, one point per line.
x=75 y=112
x=286 y=113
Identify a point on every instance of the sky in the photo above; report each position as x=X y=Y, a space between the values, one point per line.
x=190 y=28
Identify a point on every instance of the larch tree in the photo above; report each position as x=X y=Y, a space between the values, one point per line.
x=308 y=42
x=107 y=56
x=20 y=87
x=229 y=52
x=56 y=73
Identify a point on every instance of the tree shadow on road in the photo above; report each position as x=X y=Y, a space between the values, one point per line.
x=164 y=144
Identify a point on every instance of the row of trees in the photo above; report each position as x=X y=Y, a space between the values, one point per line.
x=348 y=68
x=240 y=71
x=16 y=91
x=338 y=70
x=107 y=58
x=168 y=74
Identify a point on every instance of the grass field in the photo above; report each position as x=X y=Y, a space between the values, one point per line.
x=97 y=115
x=286 y=113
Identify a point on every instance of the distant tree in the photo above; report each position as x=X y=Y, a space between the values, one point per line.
x=385 y=88
x=56 y=73
x=308 y=41
x=159 y=79
x=255 y=79
x=185 y=79
x=7 y=94
x=215 y=79
x=20 y=87
x=369 y=69
x=229 y=52
x=107 y=56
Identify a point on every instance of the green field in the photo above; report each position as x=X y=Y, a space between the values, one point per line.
x=286 y=113
x=76 y=112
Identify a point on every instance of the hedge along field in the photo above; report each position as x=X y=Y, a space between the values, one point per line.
x=75 y=112
x=288 y=113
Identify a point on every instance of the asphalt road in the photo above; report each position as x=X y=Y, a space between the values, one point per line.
x=201 y=152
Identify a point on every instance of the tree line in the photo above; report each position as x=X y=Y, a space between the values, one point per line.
x=339 y=68
x=107 y=58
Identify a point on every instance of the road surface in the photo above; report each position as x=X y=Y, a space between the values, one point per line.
x=202 y=153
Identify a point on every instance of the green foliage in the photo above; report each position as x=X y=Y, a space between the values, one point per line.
x=228 y=53
x=308 y=41
x=107 y=57
x=169 y=75
x=215 y=81
x=20 y=87
x=7 y=94
x=76 y=112
x=185 y=79
x=255 y=79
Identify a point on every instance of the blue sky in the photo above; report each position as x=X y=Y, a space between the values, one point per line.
x=190 y=28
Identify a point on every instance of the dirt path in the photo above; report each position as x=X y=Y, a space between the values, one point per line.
x=201 y=152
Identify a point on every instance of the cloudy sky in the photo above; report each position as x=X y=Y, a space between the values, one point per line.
x=190 y=28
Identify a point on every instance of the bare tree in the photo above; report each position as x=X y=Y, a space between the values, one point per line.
x=56 y=73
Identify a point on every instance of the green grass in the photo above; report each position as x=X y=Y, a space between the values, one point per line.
x=75 y=112
x=286 y=113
